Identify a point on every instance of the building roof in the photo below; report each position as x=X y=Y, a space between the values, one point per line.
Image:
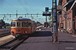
x=73 y=4
x=22 y=19
x=70 y=1
x=59 y=2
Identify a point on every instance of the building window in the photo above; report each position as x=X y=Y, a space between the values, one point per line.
x=67 y=0
x=60 y=12
x=74 y=11
x=61 y=25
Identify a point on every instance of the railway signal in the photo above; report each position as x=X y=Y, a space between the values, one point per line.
x=46 y=9
x=46 y=13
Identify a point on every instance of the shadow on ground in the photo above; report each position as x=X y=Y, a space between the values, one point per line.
x=67 y=41
x=41 y=33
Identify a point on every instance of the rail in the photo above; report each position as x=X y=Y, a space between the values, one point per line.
x=12 y=45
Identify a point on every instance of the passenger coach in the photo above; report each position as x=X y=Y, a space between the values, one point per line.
x=22 y=26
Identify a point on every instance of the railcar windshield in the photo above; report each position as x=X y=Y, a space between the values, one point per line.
x=13 y=24
x=26 y=24
x=18 y=24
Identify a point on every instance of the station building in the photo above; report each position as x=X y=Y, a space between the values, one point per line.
x=67 y=15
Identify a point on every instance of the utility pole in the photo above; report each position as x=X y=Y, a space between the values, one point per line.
x=46 y=10
x=16 y=13
x=46 y=18
x=55 y=21
x=4 y=16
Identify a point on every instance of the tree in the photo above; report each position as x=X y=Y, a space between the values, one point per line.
x=2 y=23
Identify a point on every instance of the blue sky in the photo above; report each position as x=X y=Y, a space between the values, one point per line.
x=24 y=6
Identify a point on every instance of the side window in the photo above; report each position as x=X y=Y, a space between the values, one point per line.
x=24 y=24
x=18 y=24
x=13 y=24
x=29 y=24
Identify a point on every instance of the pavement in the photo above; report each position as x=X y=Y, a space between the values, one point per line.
x=6 y=39
x=66 y=42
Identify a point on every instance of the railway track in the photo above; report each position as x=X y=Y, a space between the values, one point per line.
x=12 y=45
x=4 y=34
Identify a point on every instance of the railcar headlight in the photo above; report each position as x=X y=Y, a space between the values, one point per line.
x=25 y=31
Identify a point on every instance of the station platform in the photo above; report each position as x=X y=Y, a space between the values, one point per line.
x=66 y=42
x=36 y=43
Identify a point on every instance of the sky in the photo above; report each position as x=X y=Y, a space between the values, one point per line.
x=23 y=7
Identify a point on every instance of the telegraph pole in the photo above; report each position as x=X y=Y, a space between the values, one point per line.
x=55 y=21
